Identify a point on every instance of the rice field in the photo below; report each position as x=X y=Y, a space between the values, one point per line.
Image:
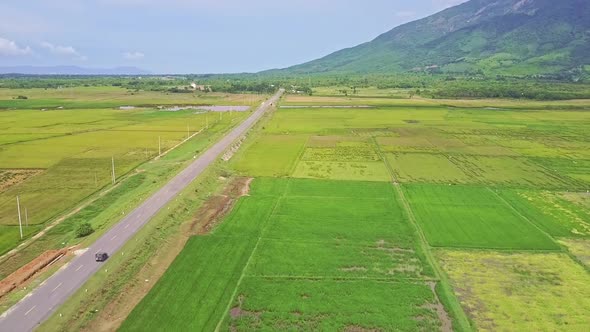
x=54 y=158
x=407 y=215
x=291 y=272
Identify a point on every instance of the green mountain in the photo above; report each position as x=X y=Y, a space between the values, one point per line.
x=509 y=37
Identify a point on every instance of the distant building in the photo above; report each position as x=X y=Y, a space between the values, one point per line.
x=198 y=87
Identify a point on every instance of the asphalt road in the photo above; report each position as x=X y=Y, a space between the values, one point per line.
x=43 y=301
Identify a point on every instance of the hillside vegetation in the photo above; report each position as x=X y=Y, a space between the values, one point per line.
x=500 y=37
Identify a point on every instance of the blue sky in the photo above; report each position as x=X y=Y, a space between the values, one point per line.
x=194 y=36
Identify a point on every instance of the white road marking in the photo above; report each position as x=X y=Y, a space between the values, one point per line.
x=33 y=307
x=114 y=237
x=79 y=267
x=56 y=287
x=127 y=225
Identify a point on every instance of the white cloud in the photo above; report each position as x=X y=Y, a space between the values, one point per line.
x=10 y=48
x=133 y=55
x=67 y=51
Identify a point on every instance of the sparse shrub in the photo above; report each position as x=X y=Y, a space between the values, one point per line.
x=84 y=229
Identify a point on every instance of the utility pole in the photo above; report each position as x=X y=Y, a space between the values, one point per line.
x=95 y=179
x=159 y=145
x=20 y=223
x=188 y=131
x=26 y=217
x=206 y=120
x=113 y=166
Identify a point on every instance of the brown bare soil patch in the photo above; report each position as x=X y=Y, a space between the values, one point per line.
x=211 y=213
x=10 y=177
x=443 y=316
x=23 y=274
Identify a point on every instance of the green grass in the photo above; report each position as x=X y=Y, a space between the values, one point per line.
x=551 y=212
x=472 y=217
x=112 y=97
x=509 y=171
x=270 y=155
x=194 y=292
x=328 y=305
x=307 y=259
x=333 y=240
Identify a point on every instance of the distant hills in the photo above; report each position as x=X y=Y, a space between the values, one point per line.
x=506 y=37
x=71 y=70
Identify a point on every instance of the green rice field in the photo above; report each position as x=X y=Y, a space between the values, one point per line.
x=369 y=206
x=405 y=215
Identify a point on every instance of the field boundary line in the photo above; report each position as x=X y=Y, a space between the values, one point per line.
x=521 y=215
x=454 y=306
x=367 y=245
x=293 y=167
x=336 y=278
x=562 y=248
x=243 y=274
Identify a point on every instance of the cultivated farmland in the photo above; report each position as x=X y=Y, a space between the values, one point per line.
x=404 y=215
x=298 y=259
x=53 y=157
x=338 y=231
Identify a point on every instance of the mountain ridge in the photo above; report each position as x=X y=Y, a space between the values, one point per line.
x=506 y=37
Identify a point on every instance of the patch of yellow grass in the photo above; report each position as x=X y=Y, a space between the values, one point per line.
x=520 y=291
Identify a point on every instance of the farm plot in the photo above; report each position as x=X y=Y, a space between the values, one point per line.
x=195 y=289
x=580 y=248
x=334 y=121
x=578 y=170
x=425 y=167
x=551 y=211
x=327 y=305
x=508 y=171
x=270 y=155
x=70 y=154
x=472 y=217
x=301 y=246
x=520 y=291
x=341 y=158
x=333 y=170
x=198 y=285
x=405 y=144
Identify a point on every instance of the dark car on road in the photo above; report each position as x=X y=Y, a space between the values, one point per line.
x=101 y=256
